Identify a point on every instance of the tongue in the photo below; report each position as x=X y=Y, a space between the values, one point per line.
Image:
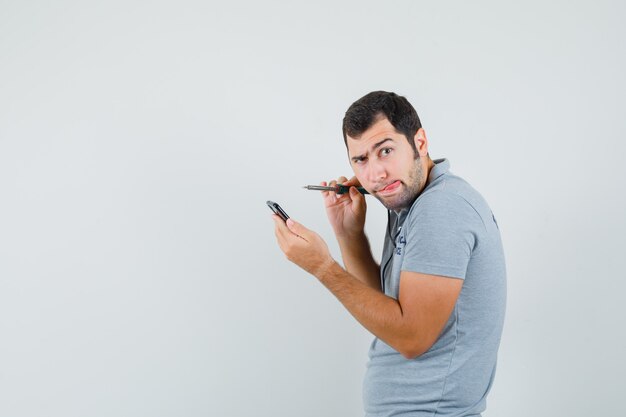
x=391 y=186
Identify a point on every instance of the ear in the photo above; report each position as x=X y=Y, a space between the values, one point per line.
x=421 y=142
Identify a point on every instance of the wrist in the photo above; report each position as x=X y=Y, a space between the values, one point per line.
x=350 y=237
x=324 y=269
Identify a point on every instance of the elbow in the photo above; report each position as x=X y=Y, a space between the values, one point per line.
x=414 y=349
x=410 y=354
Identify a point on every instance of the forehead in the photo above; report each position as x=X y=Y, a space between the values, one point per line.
x=380 y=130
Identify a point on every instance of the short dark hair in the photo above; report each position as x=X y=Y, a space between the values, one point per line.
x=367 y=110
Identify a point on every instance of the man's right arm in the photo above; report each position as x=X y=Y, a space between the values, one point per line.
x=358 y=260
x=346 y=214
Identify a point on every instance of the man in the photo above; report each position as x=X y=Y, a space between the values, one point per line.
x=436 y=303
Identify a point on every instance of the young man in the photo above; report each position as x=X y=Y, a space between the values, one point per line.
x=436 y=303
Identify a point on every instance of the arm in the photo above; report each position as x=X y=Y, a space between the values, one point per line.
x=358 y=260
x=410 y=324
x=346 y=214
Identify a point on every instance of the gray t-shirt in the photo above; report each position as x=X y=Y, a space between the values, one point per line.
x=448 y=231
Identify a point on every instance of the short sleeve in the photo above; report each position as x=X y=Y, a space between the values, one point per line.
x=441 y=233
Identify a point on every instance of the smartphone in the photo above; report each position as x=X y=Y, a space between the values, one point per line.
x=278 y=210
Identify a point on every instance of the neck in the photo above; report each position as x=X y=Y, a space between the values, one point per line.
x=429 y=166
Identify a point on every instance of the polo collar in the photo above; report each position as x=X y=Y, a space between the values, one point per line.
x=441 y=167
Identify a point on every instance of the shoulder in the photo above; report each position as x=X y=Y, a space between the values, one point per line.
x=450 y=200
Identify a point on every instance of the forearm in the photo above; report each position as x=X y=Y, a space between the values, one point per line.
x=410 y=324
x=358 y=260
x=378 y=313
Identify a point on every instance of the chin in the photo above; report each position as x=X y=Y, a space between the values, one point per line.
x=396 y=207
x=404 y=200
x=397 y=204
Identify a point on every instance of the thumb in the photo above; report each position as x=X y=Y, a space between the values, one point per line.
x=297 y=228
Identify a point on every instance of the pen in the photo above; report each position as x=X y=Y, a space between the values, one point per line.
x=339 y=189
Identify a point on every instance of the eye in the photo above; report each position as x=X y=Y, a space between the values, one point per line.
x=359 y=161
x=385 y=151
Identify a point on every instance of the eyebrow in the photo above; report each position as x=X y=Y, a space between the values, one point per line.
x=376 y=146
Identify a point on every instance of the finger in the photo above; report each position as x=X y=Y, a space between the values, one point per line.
x=324 y=193
x=343 y=196
x=280 y=238
x=328 y=196
x=280 y=227
x=285 y=237
x=290 y=229
x=332 y=194
x=353 y=181
x=355 y=195
x=298 y=229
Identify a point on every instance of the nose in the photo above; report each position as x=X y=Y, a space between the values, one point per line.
x=377 y=171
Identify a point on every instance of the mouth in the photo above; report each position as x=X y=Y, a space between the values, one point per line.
x=390 y=188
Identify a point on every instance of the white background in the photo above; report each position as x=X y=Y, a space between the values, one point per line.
x=139 y=141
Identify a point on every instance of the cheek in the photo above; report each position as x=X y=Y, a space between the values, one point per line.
x=409 y=167
x=362 y=179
